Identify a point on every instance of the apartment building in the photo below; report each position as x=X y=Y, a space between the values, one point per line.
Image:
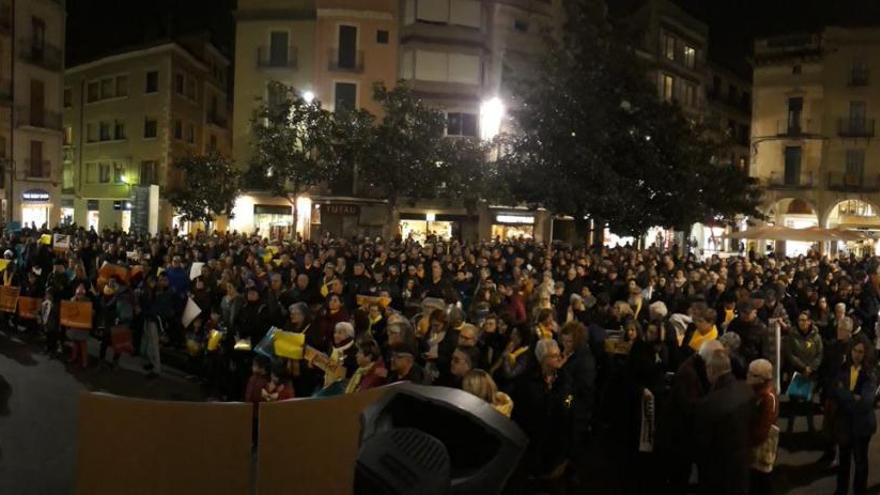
x=334 y=52
x=31 y=65
x=729 y=110
x=128 y=116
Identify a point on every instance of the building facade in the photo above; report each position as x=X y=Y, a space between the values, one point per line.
x=729 y=110
x=814 y=116
x=457 y=55
x=129 y=116
x=31 y=73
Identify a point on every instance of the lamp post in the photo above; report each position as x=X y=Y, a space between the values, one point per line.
x=491 y=116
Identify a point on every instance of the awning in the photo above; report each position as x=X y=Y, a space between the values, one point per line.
x=811 y=234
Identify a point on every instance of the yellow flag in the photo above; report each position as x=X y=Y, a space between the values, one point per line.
x=3 y=264
x=46 y=239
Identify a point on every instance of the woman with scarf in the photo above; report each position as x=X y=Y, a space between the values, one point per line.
x=371 y=371
x=342 y=362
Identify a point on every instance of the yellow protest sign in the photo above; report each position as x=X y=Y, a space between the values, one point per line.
x=46 y=239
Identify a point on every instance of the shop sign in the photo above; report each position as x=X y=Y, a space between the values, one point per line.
x=343 y=210
x=35 y=196
x=518 y=219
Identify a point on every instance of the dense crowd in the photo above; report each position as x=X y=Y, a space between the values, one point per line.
x=660 y=361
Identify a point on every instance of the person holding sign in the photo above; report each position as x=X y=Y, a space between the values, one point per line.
x=79 y=335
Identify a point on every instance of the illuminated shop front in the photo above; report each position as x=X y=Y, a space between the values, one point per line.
x=513 y=226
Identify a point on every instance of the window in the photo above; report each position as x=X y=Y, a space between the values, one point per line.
x=275 y=95
x=178 y=129
x=520 y=25
x=689 y=94
x=857 y=113
x=121 y=86
x=118 y=173
x=382 y=37
x=793 y=165
x=461 y=124
x=152 y=85
x=68 y=98
x=148 y=172
x=104 y=129
x=859 y=73
x=103 y=173
x=91 y=132
x=38 y=34
x=93 y=92
x=459 y=12
x=443 y=67
x=347 y=50
x=795 y=108
x=278 y=48
x=668 y=87
x=119 y=130
x=106 y=88
x=668 y=47
x=36 y=163
x=855 y=167
x=345 y=96
x=67 y=177
x=150 y=127
x=178 y=83
x=191 y=134
x=690 y=57
x=68 y=135
x=212 y=143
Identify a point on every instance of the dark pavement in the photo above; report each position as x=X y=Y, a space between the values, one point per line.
x=38 y=410
x=38 y=417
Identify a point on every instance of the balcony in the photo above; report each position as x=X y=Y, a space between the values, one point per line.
x=779 y=181
x=840 y=181
x=267 y=59
x=858 y=77
x=46 y=56
x=849 y=127
x=342 y=65
x=26 y=116
x=795 y=128
x=37 y=169
x=215 y=119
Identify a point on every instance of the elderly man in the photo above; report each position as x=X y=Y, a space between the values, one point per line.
x=721 y=430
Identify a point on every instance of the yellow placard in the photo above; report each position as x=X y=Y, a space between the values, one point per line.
x=28 y=307
x=289 y=344
x=370 y=300
x=9 y=298
x=3 y=264
x=76 y=314
x=46 y=239
x=214 y=339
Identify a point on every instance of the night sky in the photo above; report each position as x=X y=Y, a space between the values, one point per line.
x=98 y=27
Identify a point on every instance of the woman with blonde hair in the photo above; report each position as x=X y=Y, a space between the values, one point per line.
x=481 y=384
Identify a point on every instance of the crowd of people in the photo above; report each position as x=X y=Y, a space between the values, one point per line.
x=663 y=362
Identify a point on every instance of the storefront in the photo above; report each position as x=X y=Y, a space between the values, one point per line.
x=67 y=211
x=93 y=215
x=36 y=207
x=420 y=227
x=513 y=225
x=273 y=220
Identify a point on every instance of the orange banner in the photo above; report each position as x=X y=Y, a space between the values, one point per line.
x=9 y=298
x=28 y=307
x=108 y=271
x=76 y=314
x=383 y=302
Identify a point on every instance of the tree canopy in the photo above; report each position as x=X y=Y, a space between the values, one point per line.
x=212 y=184
x=593 y=139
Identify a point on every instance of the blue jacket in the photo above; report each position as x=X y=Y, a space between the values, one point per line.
x=854 y=418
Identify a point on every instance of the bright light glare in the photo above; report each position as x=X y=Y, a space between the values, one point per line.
x=491 y=113
x=430 y=217
x=308 y=96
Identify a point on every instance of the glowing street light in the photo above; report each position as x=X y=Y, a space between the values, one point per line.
x=308 y=96
x=491 y=114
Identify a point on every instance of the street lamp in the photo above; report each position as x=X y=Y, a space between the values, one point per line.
x=491 y=114
x=308 y=96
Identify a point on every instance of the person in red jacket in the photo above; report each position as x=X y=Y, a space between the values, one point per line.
x=279 y=387
x=371 y=370
x=333 y=313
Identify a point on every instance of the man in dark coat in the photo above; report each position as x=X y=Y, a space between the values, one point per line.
x=721 y=430
x=754 y=338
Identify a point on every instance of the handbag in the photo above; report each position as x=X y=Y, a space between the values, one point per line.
x=120 y=338
x=764 y=455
